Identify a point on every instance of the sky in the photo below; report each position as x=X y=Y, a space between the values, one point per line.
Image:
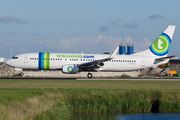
x=88 y=26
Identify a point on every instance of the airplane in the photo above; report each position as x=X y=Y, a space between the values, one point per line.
x=70 y=63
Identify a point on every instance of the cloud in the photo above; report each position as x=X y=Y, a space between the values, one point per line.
x=77 y=44
x=11 y=19
x=128 y=39
x=13 y=33
x=131 y=26
x=135 y=20
x=39 y=42
x=156 y=17
x=33 y=34
x=9 y=33
x=116 y=22
x=119 y=23
x=138 y=45
x=103 y=28
x=91 y=44
x=142 y=45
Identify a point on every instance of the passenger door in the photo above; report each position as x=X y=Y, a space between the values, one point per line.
x=26 y=58
x=143 y=62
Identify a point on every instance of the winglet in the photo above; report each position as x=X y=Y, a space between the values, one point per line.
x=113 y=54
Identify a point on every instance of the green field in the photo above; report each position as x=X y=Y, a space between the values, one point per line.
x=55 y=99
x=86 y=84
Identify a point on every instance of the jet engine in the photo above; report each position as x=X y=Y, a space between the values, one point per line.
x=70 y=69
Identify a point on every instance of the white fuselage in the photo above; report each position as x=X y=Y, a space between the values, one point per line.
x=57 y=60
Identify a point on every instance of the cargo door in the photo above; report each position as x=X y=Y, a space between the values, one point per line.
x=26 y=58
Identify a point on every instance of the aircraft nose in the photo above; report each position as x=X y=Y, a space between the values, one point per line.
x=8 y=62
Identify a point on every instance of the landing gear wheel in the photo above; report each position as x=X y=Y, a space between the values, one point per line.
x=89 y=75
x=21 y=74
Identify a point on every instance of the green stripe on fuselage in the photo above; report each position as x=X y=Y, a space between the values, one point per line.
x=48 y=57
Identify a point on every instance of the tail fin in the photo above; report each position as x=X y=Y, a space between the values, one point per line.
x=160 y=47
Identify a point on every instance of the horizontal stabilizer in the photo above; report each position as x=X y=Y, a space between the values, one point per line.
x=165 y=58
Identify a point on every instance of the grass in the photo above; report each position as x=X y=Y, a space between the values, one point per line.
x=30 y=108
x=107 y=101
x=99 y=84
x=9 y=94
x=56 y=99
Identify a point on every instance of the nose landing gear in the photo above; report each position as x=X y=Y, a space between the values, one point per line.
x=89 y=75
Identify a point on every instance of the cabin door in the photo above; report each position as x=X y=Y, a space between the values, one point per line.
x=143 y=62
x=26 y=59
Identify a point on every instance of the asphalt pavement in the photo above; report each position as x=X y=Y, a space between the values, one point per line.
x=137 y=79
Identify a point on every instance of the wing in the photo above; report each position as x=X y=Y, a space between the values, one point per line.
x=97 y=63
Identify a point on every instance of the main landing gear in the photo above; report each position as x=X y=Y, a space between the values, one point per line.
x=21 y=74
x=89 y=75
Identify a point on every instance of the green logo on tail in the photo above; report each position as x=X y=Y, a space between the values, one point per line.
x=161 y=46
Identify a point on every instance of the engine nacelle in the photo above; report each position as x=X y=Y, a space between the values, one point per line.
x=70 y=69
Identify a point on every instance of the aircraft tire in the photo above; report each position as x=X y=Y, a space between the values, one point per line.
x=21 y=74
x=89 y=75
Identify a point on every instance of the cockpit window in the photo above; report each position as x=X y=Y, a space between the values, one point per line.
x=14 y=57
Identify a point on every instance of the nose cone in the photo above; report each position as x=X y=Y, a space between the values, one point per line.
x=8 y=62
